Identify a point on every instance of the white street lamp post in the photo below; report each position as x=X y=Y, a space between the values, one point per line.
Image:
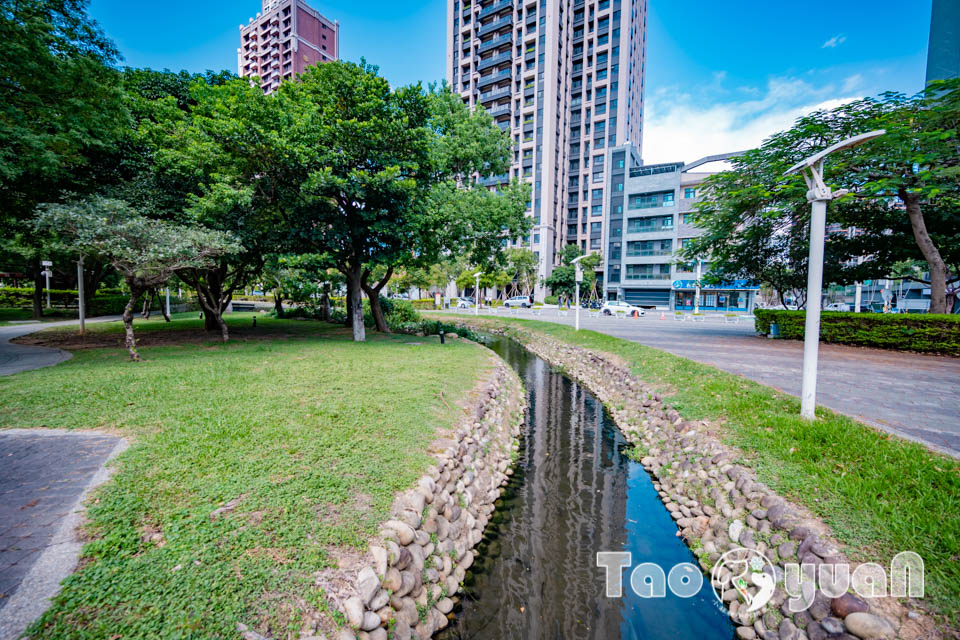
x=578 y=278
x=696 y=297
x=46 y=274
x=476 y=293
x=818 y=194
x=168 y=302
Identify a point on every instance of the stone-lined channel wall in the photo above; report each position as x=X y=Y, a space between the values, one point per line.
x=421 y=555
x=719 y=505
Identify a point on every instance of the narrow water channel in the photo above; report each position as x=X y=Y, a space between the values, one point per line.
x=574 y=493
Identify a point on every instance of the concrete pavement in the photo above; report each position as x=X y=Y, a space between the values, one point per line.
x=916 y=396
x=15 y=358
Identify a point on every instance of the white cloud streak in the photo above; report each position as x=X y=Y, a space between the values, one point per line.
x=834 y=42
x=678 y=127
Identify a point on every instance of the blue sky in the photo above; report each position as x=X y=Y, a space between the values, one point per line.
x=720 y=75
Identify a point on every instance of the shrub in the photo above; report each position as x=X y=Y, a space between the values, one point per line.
x=551 y=300
x=938 y=333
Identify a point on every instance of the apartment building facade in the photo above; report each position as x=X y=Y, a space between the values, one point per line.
x=565 y=79
x=285 y=38
x=648 y=219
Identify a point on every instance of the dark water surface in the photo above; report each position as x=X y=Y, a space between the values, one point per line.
x=575 y=493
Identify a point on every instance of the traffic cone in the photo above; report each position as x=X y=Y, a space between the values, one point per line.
x=662 y=316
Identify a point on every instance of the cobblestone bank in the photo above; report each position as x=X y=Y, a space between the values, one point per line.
x=416 y=565
x=720 y=505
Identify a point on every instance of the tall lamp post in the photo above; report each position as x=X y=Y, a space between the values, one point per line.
x=578 y=278
x=80 y=309
x=696 y=297
x=818 y=194
x=476 y=292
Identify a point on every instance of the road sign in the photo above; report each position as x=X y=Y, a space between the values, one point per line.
x=46 y=263
x=579 y=276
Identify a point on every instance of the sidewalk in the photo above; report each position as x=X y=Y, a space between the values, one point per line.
x=15 y=358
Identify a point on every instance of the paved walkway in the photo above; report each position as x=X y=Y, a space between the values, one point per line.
x=15 y=358
x=45 y=475
x=913 y=395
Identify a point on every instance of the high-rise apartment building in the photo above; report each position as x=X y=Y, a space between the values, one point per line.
x=283 y=40
x=565 y=79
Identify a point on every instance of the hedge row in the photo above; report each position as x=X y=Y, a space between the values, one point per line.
x=929 y=333
x=23 y=296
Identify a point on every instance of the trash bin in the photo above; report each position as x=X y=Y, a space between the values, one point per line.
x=774 y=330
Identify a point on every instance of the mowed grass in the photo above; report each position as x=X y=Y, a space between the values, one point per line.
x=880 y=494
x=8 y=314
x=314 y=433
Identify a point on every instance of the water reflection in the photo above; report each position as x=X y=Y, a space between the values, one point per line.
x=574 y=493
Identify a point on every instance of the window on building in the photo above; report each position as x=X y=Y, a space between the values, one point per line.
x=597 y=194
x=689 y=192
x=643 y=248
x=596 y=210
x=647 y=272
x=668 y=199
x=688 y=218
x=651 y=200
x=648 y=224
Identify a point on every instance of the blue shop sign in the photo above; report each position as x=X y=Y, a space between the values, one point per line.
x=733 y=284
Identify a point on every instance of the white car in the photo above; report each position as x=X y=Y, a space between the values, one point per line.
x=619 y=306
x=837 y=306
x=464 y=302
x=517 y=301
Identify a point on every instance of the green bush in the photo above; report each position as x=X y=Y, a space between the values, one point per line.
x=551 y=300
x=929 y=333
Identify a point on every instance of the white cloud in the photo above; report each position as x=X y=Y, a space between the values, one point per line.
x=678 y=127
x=835 y=41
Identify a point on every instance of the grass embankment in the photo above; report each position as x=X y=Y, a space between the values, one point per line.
x=880 y=494
x=314 y=434
x=9 y=314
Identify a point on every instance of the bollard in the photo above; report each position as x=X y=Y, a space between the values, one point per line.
x=441 y=337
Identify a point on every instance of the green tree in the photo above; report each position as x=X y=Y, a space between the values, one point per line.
x=146 y=252
x=60 y=104
x=562 y=280
x=522 y=266
x=903 y=202
x=386 y=177
x=222 y=155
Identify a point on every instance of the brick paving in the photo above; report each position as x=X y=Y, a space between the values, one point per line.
x=43 y=474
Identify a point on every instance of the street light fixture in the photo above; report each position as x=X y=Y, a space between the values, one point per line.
x=476 y=293
x=818 y=194
x=578 y=278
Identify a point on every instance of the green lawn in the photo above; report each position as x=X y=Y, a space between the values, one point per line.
x=14 y=313
x=880 y=494
x=314 y=432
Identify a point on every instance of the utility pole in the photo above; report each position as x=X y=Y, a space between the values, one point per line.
x=168 y=302
x=818 y=194
x=696 y=297
x=83 y=314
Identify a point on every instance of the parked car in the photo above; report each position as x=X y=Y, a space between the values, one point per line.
x=464 y=302
x=837 y=306
x=619 y=306
x=517 y=301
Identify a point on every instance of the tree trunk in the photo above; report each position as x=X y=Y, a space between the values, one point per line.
x=938 y=269
x=147 y=300
x=325 y=303
x=355 y=302
x=373 y=294
x=278 y=303
x=37 y=289
x=349 y=321
x=212 y=299
x=131 y=343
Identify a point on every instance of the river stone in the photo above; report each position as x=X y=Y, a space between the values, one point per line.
x=746 y=633
x=346 y=634
x=786 y=550
x=445 y=605
x=402 y=631
x=378 y=634
x=353 y=609
x=787 y=630
x=832 y=625
x=380 y=601
x=847 y=604
x=392 y=580
x=867 y=625
x=736 y=528
x=370 y=621
x=379 y=560
x=405 y=533
x=367 y=584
